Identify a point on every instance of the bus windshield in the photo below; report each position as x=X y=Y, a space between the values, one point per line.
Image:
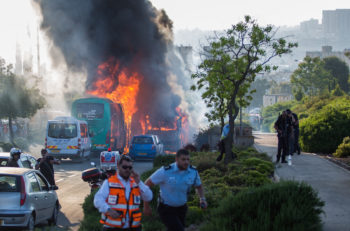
x=62 y=130
x=90 y=110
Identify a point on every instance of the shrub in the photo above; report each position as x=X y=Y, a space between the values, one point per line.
x=163 y=160
x=281 y=206
x=343 y=149
x=91 y=221
x=6 y=147
x=322 y=132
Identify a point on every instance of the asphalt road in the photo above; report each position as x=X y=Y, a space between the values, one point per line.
x=73 y=190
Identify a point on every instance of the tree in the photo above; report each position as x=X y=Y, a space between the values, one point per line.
x=260 y=85
x=16 y=100
x=311 y=77
x=340 y=72
x=233 y=61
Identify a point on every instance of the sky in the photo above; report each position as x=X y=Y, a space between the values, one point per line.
x=15 y=21
x=221 y=14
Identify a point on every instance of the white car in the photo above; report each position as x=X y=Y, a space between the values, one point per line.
x=26 y=198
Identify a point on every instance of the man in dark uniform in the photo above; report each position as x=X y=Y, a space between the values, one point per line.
x=15 y=155
x=282 y=126
x=296 y=133
x=45 y=164
x=175 y=181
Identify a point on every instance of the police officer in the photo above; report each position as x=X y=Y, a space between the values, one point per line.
x=15 y=155
x=119 y=198
x=175 y=182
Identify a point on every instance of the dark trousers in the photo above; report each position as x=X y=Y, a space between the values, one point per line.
x=119 y=229
x=282 y=148
x=296 y=140
x=172 y=217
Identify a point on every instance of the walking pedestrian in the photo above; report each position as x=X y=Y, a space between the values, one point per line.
x=119 y=198
x=296 y=133
x=290 y=131
x=222 y=141
x=45 y=165
x=175 y=182
x=282 y=126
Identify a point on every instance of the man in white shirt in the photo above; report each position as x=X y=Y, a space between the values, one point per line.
x=119 y=198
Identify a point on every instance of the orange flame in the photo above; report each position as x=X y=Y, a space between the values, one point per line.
x=125 y=92
x=122 y=86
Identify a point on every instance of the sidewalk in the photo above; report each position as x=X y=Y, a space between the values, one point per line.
x=331 y=181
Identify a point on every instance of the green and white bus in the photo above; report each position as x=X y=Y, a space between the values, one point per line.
x=105 y=121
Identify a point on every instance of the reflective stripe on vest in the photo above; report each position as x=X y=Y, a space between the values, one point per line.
x=117 y=201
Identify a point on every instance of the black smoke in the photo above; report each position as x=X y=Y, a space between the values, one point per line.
x=89 y=32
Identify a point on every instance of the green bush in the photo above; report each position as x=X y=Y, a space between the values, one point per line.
x=163 y=160
x=6 y=147
x=281 y=206
x=322 y=132
x=91 y=221
x=343 y=149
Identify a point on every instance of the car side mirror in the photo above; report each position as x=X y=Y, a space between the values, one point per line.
x=54 y=187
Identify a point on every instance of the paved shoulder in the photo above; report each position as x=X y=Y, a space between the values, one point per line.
x=331 y=181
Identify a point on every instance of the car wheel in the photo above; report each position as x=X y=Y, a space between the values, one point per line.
x=31 y=223
x=53 y=219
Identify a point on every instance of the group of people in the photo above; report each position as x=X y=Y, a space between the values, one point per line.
x=119 y=198
x=287 y=127
x=44 y=163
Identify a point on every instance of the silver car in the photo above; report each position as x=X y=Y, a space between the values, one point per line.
x=25 y=161
x=26 y=198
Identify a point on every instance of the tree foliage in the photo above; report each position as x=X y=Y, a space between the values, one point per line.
x=260 y=85
x=339 y=71
x=311 y=77
x=232 y=63
x=17 y=100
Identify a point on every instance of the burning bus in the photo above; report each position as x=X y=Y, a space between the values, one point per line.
x=105 y=120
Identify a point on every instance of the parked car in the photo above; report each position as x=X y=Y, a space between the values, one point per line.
x=26 y=198
x=146 y=147
x=26 y=160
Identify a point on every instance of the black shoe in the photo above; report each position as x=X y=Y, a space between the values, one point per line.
x=284 y=162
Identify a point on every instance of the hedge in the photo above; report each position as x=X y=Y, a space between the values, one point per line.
x=284 y=206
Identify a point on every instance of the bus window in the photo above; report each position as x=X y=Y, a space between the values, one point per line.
x=90 y=110
x=83 y=131
x=62 y=130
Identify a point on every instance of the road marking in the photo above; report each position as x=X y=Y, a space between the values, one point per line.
x=59 y=180
x=71 y=175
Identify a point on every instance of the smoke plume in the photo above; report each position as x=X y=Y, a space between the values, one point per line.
x=90 y=32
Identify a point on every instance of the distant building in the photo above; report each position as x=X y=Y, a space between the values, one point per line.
x=336 y=23
x=310 y=26
x=269 y=100
x=327 y=52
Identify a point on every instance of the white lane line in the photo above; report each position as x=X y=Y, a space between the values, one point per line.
x=59 y=180
x=71 y=175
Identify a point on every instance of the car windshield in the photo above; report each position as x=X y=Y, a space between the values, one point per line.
x=9 y=183
x=90 y=110
x=62 y=130
x=142 y=140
